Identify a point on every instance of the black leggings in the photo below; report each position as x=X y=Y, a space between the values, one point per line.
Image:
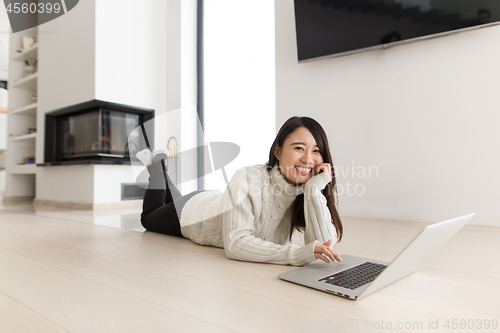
x=163 y=203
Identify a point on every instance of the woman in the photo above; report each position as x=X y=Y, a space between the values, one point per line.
x=255 y=217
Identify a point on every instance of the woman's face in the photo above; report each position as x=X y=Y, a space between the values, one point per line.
x=299 y=156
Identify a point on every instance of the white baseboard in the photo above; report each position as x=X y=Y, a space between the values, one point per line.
x=484 y=220
x=40 y=203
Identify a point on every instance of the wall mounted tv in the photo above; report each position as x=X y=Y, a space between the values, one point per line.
x=329 y=28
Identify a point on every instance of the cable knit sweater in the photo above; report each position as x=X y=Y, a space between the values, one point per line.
x=251 y=218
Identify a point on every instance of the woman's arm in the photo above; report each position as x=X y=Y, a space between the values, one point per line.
x=238 y=230
x=317 y=215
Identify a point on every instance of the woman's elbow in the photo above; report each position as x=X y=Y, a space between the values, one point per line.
x=230 y=253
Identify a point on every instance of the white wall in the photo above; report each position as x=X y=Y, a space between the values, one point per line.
x=239 y=80
x=87 y=184
x=423 y=116
x=66 y=184
x=130 y=55
x=66 y=67
x=149 y=63
x=107 y=180
x=66 y=63
x=118 y=50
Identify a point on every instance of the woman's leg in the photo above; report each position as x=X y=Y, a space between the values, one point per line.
x=158 y=209
x=163 y=202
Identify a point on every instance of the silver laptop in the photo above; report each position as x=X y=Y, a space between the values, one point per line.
x=356 y=277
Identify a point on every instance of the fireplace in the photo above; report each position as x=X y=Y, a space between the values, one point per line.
x=94 y=132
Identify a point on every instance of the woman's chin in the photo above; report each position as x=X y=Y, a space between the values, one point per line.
x=298 y=179
x=301 y=180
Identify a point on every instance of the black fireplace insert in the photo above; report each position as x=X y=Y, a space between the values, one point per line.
x=95 y=132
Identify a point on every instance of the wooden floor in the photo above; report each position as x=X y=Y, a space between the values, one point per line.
x=63 y=276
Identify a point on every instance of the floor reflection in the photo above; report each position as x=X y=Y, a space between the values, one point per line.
x=126 y=219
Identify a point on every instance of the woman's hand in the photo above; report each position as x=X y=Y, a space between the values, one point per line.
x=323 y=252
x=317 y=182
x=323 y=167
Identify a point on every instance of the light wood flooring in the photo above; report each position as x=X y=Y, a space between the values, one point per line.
x=66 y=276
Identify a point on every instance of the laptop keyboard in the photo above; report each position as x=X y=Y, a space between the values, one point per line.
x=356 y=276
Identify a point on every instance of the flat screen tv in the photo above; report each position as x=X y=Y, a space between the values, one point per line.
x=329 y=28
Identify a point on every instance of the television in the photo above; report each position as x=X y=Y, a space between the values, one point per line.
x=331 y=28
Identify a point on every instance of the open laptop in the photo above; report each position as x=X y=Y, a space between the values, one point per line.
x=356 y=277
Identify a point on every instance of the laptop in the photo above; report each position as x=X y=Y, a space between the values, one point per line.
x=357 y=277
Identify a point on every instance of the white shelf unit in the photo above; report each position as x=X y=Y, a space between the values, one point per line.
x=27 y=83
x=28 y=54
x=25 y=169
x=22 y=119
x=26 y=137
x=27 y=110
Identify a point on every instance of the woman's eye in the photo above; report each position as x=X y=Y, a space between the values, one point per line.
x=316 y=151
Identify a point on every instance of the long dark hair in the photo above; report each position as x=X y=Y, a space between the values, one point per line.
x=330 y=191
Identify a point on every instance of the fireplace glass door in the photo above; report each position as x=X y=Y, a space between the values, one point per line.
x=95 y=133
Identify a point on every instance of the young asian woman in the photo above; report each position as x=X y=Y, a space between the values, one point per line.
x=262 y=206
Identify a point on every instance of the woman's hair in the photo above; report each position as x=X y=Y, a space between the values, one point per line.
x=330 y=191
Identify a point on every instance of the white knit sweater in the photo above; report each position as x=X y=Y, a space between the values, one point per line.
x=251 y=218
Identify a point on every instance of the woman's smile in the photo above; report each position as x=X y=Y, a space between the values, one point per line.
x=304 y=171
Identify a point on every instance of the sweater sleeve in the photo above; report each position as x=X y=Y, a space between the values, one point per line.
x=317 y=215
x=238 y=230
